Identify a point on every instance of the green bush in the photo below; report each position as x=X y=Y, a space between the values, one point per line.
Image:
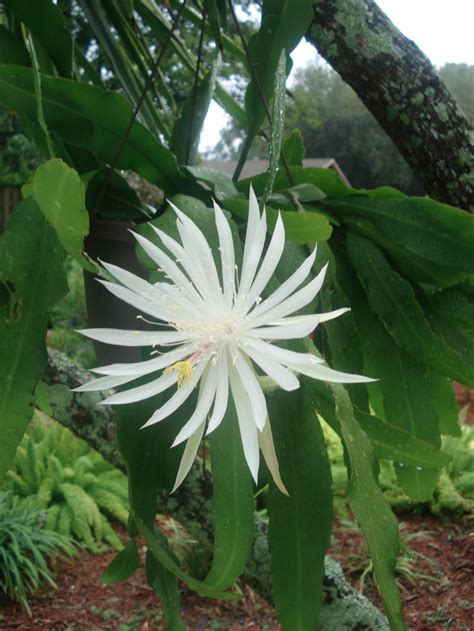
x=25 y=545
x=18 y=156
x=77 y=488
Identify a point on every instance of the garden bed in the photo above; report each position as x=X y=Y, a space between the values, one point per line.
x=441 y=599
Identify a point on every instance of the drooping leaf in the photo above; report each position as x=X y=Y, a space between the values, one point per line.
x=233 y=505
x=299 y=524
x=278 y=124
x=46 y=22
x=214 y=18
x=430 y=242
x=60 y=194
x=33 y=280
x=299 y=227
x=393 y=299
x=79 y=115
x=220 y=182
x=123 y=565
x=371 y=509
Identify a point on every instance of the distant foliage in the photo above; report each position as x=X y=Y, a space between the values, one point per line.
x=25 y=545
x=77 y=488
x=18 y=155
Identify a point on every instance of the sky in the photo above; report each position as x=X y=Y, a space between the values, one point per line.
x=443 y=30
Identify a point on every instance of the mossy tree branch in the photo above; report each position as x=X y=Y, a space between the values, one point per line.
x=398 y=84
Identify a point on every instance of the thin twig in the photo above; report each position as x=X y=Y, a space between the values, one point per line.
x=140 y=101
x=195 y=87
x=260 y=91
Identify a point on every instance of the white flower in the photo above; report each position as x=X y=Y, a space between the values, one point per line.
x=219 y=332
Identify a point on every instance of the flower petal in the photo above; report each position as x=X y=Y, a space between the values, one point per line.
x=207 y=393
x=252 y=387
x=179 y=397
x=227 y=251
x=265 y=439
x=222 y=394
x=104 y=383
x=324 y=373
x=280 y=375
x=146 y=367
x=301 y=327
x=189 y=455
x=270 y=261
x=144 y=391
x=252 y=254
x=248 y=429
x=120 y=337
x=144 y=304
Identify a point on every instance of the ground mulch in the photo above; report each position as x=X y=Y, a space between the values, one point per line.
x=437 y=587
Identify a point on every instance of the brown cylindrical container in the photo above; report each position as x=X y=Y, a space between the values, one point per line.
x=112 y=242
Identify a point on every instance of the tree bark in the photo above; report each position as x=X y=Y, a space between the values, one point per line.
x=398 y=84
x=343 y=608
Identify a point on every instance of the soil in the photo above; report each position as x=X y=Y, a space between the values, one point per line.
x=436 y=581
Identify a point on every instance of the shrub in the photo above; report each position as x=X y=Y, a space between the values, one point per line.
x=25 y=545
x=77 y=488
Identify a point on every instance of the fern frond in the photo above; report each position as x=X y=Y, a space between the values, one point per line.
x=109 y=504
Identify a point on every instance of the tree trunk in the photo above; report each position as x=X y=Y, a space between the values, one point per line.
x=398 y=84
x=344 y=609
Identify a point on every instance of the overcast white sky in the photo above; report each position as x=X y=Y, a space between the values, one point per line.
x=443 y=29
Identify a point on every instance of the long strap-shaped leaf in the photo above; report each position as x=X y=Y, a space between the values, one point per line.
x=370 y=507
x=300 y=524
x=31 y=281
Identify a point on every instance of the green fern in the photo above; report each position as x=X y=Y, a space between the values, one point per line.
x=77 y=488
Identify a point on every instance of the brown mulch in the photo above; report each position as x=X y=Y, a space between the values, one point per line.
x=437 y=590
x=436 y=582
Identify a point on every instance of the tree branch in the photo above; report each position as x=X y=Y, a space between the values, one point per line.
x=398 y=84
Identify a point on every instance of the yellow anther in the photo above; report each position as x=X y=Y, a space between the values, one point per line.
x=184 y=370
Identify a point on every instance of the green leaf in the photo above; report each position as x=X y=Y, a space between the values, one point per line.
x=283 y=24
x=220 y=182
x=42 y=401
x=123 y=565
x=46 y=22
x=299 y=524
x=165 y=585
x=405 y=385
x=32 y=275
x=295 y=194
x=233 y=505
x=299 y=227
x=213 y=17
x=79 y=115
x=446 y=406
x=370 y=508
x=394 y=300
x=12 y=50
x=187 y=128
x=293 y=148
x=278 y=124
x=429 y=241
x=60 y=193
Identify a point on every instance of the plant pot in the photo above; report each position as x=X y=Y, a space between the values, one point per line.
x=112 y=242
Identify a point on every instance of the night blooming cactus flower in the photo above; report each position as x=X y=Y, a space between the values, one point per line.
x=219 y=334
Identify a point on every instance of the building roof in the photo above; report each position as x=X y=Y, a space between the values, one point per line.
x=254 y=167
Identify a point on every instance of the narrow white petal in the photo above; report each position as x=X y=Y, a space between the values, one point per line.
x=130 y=280
x=146 y=367
x=253 y=389
x=294 y=302
x=291 y=331
x=280 y=375
x=207 y=393
x=179 y=397
x=270 y=261
x=285 y=289
x=145 y=391
x=252 y=255
x=331 y=315
x=226 y=245
x=248 y=429
x=169 y=267
x=145 y=304
x=222 y=395
x=324 y=373
x=120 y=337
x=265 y=439
x=281 y=355
x=104 y=383
x=189 y=455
